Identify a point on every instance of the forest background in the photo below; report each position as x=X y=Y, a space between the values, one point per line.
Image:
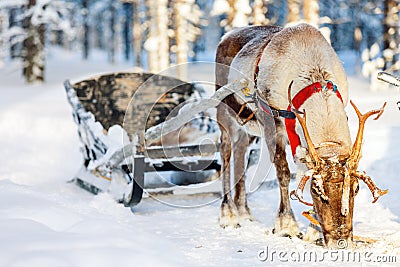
x=155 y=34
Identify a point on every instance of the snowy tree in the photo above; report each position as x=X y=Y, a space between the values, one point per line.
x=293 y=14
x=3 y=19
x=97 y=28
x=187 y=17
x=34 y=42
x=204 y=45
x=104 y=23
x=309 y=8
x=259 y=11
x=181 y=44
x=137 y=28
x=38 y=14
x=151 y=43
x=112 y=9
x=391 y=35
x=34 y=17
x=237 y=12
x=311 y=12
x=378 y=41
x=239 y=15
x=85 y=15
x=158 y=41
x=127 y=34
x=161 y=21
x=137 y=32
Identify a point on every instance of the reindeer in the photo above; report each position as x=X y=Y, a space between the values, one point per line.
x=281 y=63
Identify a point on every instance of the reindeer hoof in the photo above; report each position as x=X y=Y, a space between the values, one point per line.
x=245 y=215
x=299 y=235
x=229 y=216
x=285 y=225
x=229 y=221
x=229 y=225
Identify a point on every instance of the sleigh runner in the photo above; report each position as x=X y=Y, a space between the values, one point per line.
x=104 y=113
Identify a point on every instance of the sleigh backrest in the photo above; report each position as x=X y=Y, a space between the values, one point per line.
x=108 y=96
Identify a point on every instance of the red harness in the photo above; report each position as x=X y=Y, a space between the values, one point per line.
x=298 y=101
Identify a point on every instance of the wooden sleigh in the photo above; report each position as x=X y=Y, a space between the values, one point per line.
x=114 y=112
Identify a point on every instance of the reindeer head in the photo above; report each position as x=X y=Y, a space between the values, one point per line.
x=334 y=182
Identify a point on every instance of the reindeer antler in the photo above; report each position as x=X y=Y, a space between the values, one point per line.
x=302 y=120
x=376 y=192
x=298 y=193
x=316 y=185
x=355 y=157
x=362 y=118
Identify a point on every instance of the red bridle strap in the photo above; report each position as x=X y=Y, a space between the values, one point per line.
x=297 y=102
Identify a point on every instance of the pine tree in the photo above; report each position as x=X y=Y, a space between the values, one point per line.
x=239 y=14
x=293 y=14
x=391 y=35
x=33 y=45
x=311 y=12
x=161 y=21
x=112 y=21
x=259 y=11
x=26 y=31
x=86 y=29
x=151 y=42
x=234 y=13
x=137 y=33
x=3 y=19
x=157 y=43
x=127 y=36
x=187 y=17
x=181 y=45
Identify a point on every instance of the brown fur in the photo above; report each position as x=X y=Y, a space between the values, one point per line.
x=234 y=138
x=228 y=49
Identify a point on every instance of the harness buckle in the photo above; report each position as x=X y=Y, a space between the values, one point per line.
x=246 y=92
x=275 y=113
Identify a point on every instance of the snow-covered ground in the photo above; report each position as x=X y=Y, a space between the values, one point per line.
x=46 y=221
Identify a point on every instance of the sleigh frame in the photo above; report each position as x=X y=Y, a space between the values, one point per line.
x=120 y=168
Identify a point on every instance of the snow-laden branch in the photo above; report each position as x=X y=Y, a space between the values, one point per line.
x=389 y=78
x=12 y=3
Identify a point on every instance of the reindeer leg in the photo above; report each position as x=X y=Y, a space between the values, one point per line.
x=242 y=141
x=285 y=223
x=228 y=212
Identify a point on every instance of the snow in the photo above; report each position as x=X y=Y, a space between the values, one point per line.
x=46 y=221
x=12 y=3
